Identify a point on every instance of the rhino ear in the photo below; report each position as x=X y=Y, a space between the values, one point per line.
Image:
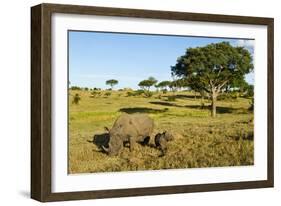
x=106 y=129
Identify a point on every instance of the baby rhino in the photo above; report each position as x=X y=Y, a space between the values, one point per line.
x=161 y=140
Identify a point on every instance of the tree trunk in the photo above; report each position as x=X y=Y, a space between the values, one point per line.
x=214 y=104
x=202 y=100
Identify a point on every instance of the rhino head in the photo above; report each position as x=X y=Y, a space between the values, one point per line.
x=115 y=143
x=168 y=136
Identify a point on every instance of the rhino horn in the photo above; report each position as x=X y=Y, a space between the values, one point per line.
x=105 y=149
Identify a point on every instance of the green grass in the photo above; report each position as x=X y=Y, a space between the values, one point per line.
x=200 y=140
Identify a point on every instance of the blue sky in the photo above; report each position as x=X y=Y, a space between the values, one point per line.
x=95 y=57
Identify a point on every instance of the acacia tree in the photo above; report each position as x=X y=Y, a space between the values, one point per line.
x=173 y=86
x=147 y=83
x=212 y=67
x=111 y=82
x=163 y=85
x=178 y=84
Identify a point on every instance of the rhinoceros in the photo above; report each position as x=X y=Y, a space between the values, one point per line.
x=161 y=140
x=130 y=128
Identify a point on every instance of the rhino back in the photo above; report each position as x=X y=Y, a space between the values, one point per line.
x=133 y=125
x=143 y=123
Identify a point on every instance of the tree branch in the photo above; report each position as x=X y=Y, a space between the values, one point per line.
x=220 y=86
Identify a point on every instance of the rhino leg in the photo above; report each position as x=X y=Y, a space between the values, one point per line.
x=132 y=143
x=145 y=141
x=163 y=146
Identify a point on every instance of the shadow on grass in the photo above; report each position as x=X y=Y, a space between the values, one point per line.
x=166 y=104
x=131 y=110
x=184 y=96
x=220 y=109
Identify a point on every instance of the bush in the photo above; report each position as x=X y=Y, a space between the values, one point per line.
x=135 y=93
x=251 y=108
x=159 y=96
x=76 y=99
x=229 y=96
x=171 y=98
x=130 y=94
x=107 y=94
x=94 y=94
x=75 y=88
x=234 y=95
x=148 y=93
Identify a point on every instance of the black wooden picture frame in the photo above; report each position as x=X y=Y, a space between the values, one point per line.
x=41 y=101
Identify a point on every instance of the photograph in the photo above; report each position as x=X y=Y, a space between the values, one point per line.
x=152 y=102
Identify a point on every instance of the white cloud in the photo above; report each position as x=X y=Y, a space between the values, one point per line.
x=245 y=43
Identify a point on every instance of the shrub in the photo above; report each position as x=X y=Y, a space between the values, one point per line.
x=94 y=94
x=135 y=93
x=76 y=99
x=148 y=94
x=234 y=95
x=159 y=96
x=75 y=88
x=229 y=96
x=139 y=92
x=171 y=98
x=107 y=94
x=130 y=94
x=251 y=108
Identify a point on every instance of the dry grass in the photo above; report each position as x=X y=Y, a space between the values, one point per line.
x=201 y=141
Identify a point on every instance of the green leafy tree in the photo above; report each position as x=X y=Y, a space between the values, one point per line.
x=250 y=91
x=111 y=82
x=76 y=99
x=178 y=84
x=173 y=86
x=163 y=85
x=147 y=83
x=157 y=87
x=75 y=88
x=243 y=87
x=213 y=67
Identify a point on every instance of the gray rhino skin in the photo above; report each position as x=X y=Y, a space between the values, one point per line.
x=130 y=128
x=161 y=140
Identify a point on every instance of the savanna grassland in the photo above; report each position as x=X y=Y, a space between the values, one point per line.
x=200 y=140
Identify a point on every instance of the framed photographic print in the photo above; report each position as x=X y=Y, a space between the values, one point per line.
x=130 y=102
